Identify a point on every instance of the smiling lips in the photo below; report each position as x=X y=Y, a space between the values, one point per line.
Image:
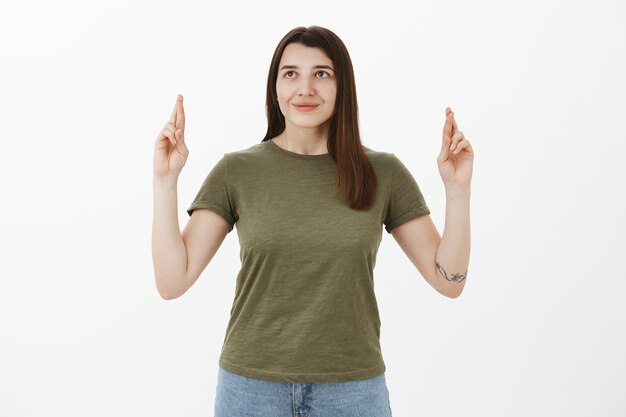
x=306 y=106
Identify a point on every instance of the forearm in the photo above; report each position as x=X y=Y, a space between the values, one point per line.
x=169 y=255
x=452 y=258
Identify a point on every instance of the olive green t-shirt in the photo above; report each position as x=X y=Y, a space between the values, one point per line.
x=304 y=308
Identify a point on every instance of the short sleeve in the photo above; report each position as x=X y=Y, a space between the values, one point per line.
x=405 y=198
x=214 y=194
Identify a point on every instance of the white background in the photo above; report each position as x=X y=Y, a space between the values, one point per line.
x=537 y=87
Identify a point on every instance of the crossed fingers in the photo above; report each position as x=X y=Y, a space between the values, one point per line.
x=453 y=138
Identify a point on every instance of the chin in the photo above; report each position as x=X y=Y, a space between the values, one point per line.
x=309 y=123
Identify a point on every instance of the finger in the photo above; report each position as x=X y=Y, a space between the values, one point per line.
x=181 y=145
x=455 y=128
x=458 y=136
x=180 y=113
x=445 y=143
x=178 y=134
x=448 y=127
x=444 y=155
x=463 y=145
x=170 y=127
x=445 y=150
x=175 y=111
x=167 y=133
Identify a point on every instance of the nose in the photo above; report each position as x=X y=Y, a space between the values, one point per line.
x=306 y=87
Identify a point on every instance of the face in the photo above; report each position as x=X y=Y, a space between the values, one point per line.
x=306 y=86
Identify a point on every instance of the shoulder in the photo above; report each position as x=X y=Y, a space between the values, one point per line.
x=381 y=161
x=245 y=159
x=379 y=156
x=246 y=153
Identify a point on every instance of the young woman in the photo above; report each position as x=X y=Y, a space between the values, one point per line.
x=309 y=202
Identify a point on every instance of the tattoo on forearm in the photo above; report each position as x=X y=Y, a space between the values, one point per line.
x=454 y=277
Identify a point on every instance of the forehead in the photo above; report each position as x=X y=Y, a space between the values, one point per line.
x=302 y=55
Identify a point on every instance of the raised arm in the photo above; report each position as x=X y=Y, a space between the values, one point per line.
x=178 y=259
x=443 y=261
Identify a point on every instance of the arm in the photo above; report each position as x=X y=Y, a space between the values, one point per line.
x=452 y=259
x=443 y=261
x=169 y=255
x=180 y=259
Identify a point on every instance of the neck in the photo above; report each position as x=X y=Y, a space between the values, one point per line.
x=306 y=141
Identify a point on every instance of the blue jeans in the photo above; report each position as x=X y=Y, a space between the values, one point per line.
x=242 y=396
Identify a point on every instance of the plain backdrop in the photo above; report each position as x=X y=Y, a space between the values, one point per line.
x=537 y=87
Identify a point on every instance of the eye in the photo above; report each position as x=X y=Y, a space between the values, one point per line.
x=323 y=72
x=289 y=72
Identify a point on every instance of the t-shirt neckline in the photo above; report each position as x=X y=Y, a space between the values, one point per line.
x=280 y=150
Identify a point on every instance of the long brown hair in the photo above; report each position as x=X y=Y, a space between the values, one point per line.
x=356 y=177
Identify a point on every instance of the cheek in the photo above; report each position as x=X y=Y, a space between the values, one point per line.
x=284 y=87
x=283 y=98
x=283 y=103
x=331 y=91
x=283 y=94
x=332 y=95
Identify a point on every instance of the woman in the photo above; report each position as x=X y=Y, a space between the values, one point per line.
x=309 y=202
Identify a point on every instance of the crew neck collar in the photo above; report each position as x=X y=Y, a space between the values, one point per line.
x=280 y=150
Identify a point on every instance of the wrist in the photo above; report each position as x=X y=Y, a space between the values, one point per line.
x=458 y=194
x=165 y=182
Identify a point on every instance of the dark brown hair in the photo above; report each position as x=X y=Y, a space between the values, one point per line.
x=356 y=177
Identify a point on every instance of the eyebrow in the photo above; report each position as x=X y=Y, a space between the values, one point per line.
x=316 y=66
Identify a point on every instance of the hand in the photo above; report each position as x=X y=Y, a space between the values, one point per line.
x=456 y=158
x=170 y=151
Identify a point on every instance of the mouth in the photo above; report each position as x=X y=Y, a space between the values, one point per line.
x=306 y=107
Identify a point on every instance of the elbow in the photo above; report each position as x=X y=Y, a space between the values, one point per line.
x=450 y=293
x=451 y=289
x=167 y=293
x=168 y=296
x=173 y=288
x=455 y=294
x=455 y=290
x=450 y=285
